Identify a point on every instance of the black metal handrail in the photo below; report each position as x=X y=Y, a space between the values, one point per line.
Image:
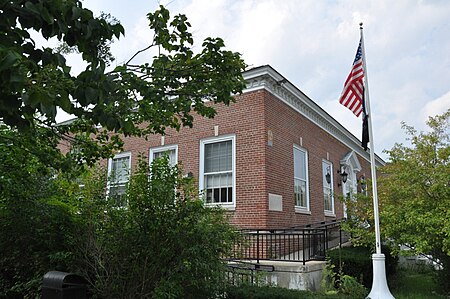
x=296 y=244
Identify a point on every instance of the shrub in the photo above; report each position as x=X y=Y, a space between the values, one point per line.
x=350 y=286
x=266 y=292
x=36 y=225
x=164 y=244
x=357 y=262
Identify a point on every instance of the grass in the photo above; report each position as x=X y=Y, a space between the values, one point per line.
x=413 y=284
x=407 y=284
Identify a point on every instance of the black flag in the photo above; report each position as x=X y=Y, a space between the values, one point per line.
x=365 y=124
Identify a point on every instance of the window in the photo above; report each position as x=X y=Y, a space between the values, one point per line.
x=118 y=176
x=351 y=185
x=301 y=188
x=363 y=185
x=217 y=170
x=327 y=178
x=170 y=150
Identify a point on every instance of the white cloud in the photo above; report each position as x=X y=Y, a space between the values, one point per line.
x=436 y=107
x=312 y=43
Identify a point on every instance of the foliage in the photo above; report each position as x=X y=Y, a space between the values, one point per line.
x=414 y=196
x=36 y=221
x=416 y=193
x=267 y=292
x=330 y=278
x=164 y=244
x=412 y=284
x=404 y=285
x=130 y=99
x=357 y=262
x=360 y=221
x=350 y=286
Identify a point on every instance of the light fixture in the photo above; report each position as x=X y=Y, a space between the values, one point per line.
x=328 y=176
x=343 y=174
x=363 y=182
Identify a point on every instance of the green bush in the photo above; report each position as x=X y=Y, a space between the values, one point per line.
x=164 y=244
x=36 y=224
x=350 y=286
x=268 y=292
x=357 y=262
x=352 y=261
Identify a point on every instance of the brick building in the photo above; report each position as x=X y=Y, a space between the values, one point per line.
x=274 y=158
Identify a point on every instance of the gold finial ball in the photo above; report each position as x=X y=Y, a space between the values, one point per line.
x=360 y=25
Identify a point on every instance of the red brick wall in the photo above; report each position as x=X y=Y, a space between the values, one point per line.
x=260 y=169
x=290 y=128
x=244 y=119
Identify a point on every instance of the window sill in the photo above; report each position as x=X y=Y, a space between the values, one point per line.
x=302 y=211
x=225 y=207
x=329 y=214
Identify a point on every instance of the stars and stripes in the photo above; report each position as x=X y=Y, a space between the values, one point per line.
x=352 y=96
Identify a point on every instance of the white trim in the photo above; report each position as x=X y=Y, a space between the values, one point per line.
x=351 y=159
x=110 y=160
x=301 y=209
x=332 y=211
x=163 y=148
x=201 y=178
x=265 y=77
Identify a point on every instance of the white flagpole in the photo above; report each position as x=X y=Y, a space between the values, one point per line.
x=380 y=289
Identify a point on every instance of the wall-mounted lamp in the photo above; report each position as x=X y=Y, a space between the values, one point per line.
x=343 y=174
x=328 y=175
x=362 y=180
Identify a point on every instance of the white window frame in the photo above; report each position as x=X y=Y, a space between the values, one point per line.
x=163 y=148
x=350 y=187
x=325 y=165
x=203 y=142
x=302 y=209
x=352 y=166
x=110 y=160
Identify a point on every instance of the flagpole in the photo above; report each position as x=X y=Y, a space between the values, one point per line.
x=380 y=289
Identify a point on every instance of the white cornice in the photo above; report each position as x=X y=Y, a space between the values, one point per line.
x=265 y=77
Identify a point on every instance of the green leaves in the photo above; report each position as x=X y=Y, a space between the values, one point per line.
x=414 y=193
x=130 y=100
x=8 y=59
x=177 y=242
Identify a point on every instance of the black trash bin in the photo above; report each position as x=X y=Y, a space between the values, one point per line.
x=62 y=285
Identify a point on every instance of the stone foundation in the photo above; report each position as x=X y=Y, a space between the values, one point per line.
x=290 y=275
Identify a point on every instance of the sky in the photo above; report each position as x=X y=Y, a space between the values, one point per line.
x=312 y=43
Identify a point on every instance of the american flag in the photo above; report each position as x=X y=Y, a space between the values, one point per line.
x=352 y=96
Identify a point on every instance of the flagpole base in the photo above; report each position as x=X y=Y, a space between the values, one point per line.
x=380 y=289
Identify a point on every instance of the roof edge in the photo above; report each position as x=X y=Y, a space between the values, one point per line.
x=266 y=77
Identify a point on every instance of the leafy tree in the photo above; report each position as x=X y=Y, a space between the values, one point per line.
x=37 y=226
x=130 y=99
x=414 y=196
x=415 y=189
x=360 y=221
x=164 y=244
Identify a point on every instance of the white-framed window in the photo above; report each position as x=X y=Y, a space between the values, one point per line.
x=301 y=186
x=351 y=185
x=327 y=179
x=119 y=168
x=362 y=184
x=351 y=166
x=170 y=150
x=218 y=170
